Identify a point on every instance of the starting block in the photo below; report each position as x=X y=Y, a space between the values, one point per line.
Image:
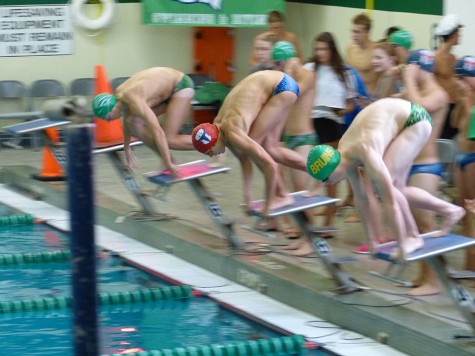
x=297 y=209
x=433 y=250
x=148 y=212
x=193 y=173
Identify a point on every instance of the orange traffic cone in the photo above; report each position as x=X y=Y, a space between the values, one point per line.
x=51 y=170
x=107 y=133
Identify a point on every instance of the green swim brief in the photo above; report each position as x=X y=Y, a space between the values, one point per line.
x=418 y=113
x=185 y=82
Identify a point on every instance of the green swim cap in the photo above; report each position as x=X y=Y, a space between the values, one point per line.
x=103 y=104
x=322 y=160
x=282 y=51
x=401 y=38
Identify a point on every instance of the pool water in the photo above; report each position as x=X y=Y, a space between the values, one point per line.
x=126 y=328
x=47 y=280
x=29 y=238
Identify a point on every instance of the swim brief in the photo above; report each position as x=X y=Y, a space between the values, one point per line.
x=185 y=82
x=431 y=168
x=287 y=84
x=294 y=141
x=418 y=113
x=462 y=159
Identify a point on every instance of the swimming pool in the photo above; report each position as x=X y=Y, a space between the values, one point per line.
x=188 y=322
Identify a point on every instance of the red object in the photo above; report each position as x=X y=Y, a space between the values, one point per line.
x=204 y=137
x=51 y=170
x=106 y=131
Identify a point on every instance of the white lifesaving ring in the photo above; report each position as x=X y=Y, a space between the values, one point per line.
x=104 y=20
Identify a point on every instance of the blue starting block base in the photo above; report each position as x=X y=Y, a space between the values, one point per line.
x=193 y=173
x=302 y=201
x=432 y=252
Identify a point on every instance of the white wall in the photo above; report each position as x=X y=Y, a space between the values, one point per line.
x=125 y=48
x=128 y=46
x=465 y=9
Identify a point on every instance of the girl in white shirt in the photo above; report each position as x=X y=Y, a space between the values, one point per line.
x=333 y=99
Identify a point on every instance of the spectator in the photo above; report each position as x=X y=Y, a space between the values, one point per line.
x=448 y=29
x=360 y=51
x=276 y=21
x=263 y=51
x=333 y=100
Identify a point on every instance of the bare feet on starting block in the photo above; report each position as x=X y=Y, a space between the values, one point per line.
x=276 y=203
x=408 y=245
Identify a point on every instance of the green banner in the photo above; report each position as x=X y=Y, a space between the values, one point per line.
x=209 y=13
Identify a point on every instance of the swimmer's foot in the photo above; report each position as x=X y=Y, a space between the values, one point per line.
x=278 y=202
x=408 y=246
x=294 y=245
x=425 y=289
x=451 y=218
x=305 y=249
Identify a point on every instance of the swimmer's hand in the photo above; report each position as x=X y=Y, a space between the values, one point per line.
x=132 y=161
x=470 y=205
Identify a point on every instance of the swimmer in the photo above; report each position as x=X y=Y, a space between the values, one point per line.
x=250 y=123
x=140 y=100
x=383 y=141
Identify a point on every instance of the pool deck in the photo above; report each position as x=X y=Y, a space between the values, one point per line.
x=415 y=326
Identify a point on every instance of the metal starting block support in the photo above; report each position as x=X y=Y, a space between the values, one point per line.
x=192 y=173
x=320 y=245
x=433 y=250
x=148 y=212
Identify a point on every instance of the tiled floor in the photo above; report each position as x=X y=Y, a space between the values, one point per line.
x=227 y=190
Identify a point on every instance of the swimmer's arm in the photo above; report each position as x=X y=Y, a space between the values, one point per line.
x=250 y=149
x=432 y=102
x=379 y=175
x=462 y=104
x=362 y=202
x=142 y=110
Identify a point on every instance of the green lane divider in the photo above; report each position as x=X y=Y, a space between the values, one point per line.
x=34 y=257
x=135 y=296
x=18 y=219
x=285 y=345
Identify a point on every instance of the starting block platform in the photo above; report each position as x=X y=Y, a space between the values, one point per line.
x=432 y=252
x=33 y=125
x=302 y=202
x=188 y=171
x=433 y=246
x=192 y=173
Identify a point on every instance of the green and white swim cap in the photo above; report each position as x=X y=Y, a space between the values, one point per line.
x=103 y=104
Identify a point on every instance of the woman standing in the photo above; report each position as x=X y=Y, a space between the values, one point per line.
x=334 y=99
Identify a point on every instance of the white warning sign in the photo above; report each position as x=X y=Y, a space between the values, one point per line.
x=35 y=31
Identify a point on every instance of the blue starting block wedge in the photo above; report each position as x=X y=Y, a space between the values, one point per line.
x=302 y=201
x=433 y=246
x=193 y=173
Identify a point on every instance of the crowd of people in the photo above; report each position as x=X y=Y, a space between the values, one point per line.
x=371 y=117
